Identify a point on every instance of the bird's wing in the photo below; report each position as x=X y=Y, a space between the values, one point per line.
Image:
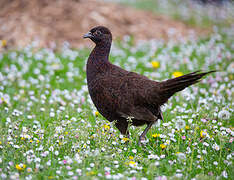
x=132 y=96
x=138 y=113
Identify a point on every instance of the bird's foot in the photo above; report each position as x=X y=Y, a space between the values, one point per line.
x=142 y=141
x=127 y=138
x=126 y=141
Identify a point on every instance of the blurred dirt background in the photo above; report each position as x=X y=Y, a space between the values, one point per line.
x=54 y=22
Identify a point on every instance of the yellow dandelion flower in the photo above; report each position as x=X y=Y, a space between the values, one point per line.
x=231 y=77
x=177 y=74
x=37 y=141
x=131 y=157
x=163 y=146
x=66 y=133
x=125 y=139
x=0 y=142
x=97 y=113
x=4 y=43
x=215 y=93
x=31 y=141
x=4 y=101
x=90 y=173
x=203 y=134
x=187 y=127
x=20 y=167
x=131 y=162
x=155 y=64
x=106 y=126
x=155 y=135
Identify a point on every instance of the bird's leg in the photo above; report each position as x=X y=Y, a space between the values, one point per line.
x=161 y=114
x=127 y=134
x=122 y=125
x=142 y=136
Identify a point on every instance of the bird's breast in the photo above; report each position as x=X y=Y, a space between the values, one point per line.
x=104 y=98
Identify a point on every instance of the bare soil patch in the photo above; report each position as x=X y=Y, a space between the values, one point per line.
x=23 y=21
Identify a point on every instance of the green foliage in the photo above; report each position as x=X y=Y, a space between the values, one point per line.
x=190 y=12
x=49 y=128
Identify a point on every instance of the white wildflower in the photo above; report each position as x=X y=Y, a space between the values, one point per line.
x=70 y=173
x=52 y=114
x=206 y=144
x=225 y=175
x=179 y=175
x=216 y=147
x=156 y=163
x=224 y=114
x=107 y=169
x=181 y=156
x=204 y=151
x=180 y=124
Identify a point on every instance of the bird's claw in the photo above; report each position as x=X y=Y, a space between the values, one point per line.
x=141 y=141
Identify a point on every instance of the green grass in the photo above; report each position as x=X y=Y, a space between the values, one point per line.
x=49 y=129
x=189 y=12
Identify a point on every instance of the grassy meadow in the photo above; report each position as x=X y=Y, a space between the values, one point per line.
x=50 y=129
x=190 y=12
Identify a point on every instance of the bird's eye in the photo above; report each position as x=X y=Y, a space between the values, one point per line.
x=98 y=32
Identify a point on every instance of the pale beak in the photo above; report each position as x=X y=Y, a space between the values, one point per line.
x=88 y=35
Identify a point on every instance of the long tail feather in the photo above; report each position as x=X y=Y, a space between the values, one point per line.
x=171 y=86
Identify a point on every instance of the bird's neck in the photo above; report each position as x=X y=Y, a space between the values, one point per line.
x=100 y=53
x=98 y=61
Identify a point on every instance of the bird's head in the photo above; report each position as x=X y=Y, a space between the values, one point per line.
x=99 y=35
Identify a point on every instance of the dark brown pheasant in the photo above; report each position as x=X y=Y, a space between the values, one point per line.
x=119 y=94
